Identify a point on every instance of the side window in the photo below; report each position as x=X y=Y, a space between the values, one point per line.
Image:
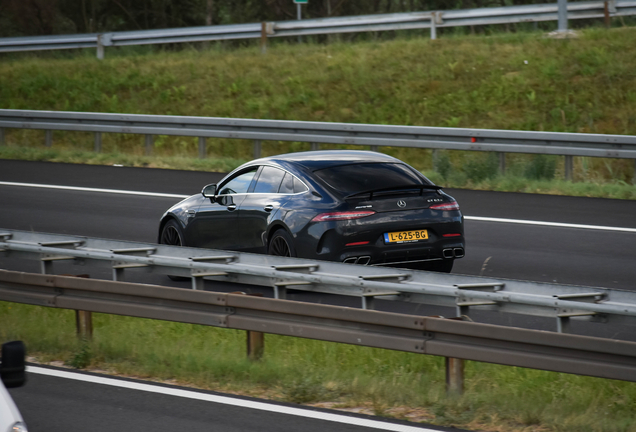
x=287 y=186
x=299 y=186
x=269 y=181
x=239 y=184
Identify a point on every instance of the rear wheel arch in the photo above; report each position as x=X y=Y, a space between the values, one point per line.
x=280 y=238
x=277 y=226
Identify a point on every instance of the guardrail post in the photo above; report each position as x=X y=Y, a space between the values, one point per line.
x=100 y=48
x=255 y=340
x=563 y=15
x=433 y=26
x=634 y=176
x=48 y=138
x=149 y=144
x=257 y=149
x=569 y=167
x=502 y=163
x=454 y=376
x=84 y=324
x=83 y=319
x=98 y=142
x=1 y=136
x=315 y=146
x=202 y=148
x=255 y=345
x=563 y=324
x=374 y=148
x=263 y=37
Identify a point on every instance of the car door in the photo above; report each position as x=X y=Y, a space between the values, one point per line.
x=259 y=207
x=215 y=223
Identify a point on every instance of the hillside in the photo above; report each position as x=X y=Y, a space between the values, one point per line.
x=519 y=81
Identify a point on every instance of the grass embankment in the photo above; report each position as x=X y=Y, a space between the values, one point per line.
x=508 y=81
x=380 y=382
x=578 y=85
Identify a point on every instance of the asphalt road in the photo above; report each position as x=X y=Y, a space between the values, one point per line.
x=592 y=257
x=79 y=402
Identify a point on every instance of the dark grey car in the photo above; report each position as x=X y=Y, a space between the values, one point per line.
x=356 y=207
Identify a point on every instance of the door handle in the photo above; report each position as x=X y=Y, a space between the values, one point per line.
x=191 y=213
x=269 y=208
x=231 y=207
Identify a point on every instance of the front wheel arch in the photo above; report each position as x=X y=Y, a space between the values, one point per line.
x=178 y=230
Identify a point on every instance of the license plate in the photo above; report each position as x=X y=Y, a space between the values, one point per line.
x=405 y=236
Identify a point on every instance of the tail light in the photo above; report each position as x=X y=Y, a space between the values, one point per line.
x=445 y=206
x=338 y=216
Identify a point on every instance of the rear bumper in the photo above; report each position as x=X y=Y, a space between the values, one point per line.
x=420 y=252
x=362 y=241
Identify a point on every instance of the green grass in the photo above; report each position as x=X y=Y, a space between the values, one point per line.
x=484 y=178
x=577 y=85
x=297 y=370
x=516 y=81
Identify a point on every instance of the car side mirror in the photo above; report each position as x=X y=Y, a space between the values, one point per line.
x=12 y=367
x=209 y=191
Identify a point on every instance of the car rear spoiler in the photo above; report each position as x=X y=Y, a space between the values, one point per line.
x=388 y=190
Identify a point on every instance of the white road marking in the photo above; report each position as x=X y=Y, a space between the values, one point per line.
x=473 y=218
x=263 y=406
x=85 y=189
x=551 y=224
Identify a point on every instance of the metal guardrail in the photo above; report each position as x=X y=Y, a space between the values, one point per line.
x=581 y=355
x=464 y=294
x=399 y=21
x=502 y=141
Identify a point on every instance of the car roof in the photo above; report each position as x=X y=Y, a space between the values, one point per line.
x=314 y=160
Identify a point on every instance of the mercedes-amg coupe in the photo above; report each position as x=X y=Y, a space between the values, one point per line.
x=355 y=207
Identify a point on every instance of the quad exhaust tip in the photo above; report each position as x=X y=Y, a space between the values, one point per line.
x=453 y=253
x=363 y=260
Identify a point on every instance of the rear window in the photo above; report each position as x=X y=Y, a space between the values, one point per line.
x=362 y=177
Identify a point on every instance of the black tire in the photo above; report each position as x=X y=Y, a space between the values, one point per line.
x=172 y=235
x=281 y=244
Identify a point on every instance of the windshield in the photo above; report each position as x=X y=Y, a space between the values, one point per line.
x=351 y=179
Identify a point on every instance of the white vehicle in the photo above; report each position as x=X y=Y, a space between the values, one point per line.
x=12 y=373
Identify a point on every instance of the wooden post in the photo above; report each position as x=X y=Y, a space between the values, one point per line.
x=255 y=345
x=255 y=340
x=263 y=37
x=84 y=324
x=454 y=376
